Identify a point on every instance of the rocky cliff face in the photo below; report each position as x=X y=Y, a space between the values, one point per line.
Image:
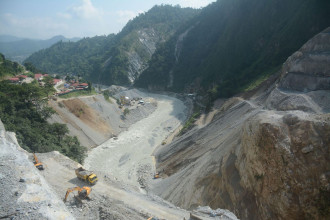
x=148 y=38
x=262 y=158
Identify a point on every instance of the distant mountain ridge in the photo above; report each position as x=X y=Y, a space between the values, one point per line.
x=18 y=49
x=9 y=38
x=115 y=59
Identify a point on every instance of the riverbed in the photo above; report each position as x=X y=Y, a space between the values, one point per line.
x=129 y=154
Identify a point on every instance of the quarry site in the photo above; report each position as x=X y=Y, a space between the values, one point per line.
x=120 y=153
x=263 y=154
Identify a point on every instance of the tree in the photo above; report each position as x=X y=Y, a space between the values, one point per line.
x=29 y=66
x=126 y=111
x=89 y=86
x=24 y=111
x=49 y=84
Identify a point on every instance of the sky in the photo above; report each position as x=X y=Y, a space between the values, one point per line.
x=43 y=19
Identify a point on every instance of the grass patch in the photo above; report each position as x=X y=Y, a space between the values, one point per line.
x=189 y=123
x=262 y=78
x=78 y=93
x=106 y=95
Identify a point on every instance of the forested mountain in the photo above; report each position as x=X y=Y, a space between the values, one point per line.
x=8 y=68
x=233 y=43
x=115 y=59
x=70 y=57
x=18 y=49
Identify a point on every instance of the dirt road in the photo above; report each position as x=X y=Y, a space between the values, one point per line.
x=129 y=156
x=59 y=173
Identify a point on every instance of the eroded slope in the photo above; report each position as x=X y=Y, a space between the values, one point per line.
x=262 y=158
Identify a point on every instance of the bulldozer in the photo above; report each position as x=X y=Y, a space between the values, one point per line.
x=37 y=163
x=83 y=192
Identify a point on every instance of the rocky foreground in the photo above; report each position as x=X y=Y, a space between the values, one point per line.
x=264 y=155
x=24 y=194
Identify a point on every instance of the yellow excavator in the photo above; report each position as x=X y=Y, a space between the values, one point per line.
x=83 y=192
x=156 y=176
x=37 y=164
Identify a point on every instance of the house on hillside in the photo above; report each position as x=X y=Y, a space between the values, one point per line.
x=82 y=86
x=14 y=80
x=57 y=81
x=73 y=85
x=39 y=76
x=22 y=76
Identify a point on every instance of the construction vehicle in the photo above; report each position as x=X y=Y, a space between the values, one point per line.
x=83 y=192
x=86 y=175
x=37 y=164
x=156 y=176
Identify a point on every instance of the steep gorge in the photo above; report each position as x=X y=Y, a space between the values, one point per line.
x=233 y=43
x=265 y=156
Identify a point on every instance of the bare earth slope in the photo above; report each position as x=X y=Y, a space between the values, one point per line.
x=262 y=158
x=94 y=120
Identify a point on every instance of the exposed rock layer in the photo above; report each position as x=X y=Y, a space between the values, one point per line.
x=262 y=158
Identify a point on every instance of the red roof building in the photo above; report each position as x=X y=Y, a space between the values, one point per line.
x=82 y=86
x=74 y=85
x=37 y=76
x=55 y=81
x=14 y=79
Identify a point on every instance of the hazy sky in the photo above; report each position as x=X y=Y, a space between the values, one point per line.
x=43 y=19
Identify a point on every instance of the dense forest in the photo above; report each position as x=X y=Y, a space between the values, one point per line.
x=232 y=44
x=115 y=59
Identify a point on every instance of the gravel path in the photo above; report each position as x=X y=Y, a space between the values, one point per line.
x=128 y=157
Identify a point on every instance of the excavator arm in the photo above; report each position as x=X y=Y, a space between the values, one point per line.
x=82 y=192
x=70 y=190
x=37 y=163
x=35 y=158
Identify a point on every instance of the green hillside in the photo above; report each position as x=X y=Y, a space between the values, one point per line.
x=233 y=43
x=71 y=57
x=115 y=59
x=8 y=68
